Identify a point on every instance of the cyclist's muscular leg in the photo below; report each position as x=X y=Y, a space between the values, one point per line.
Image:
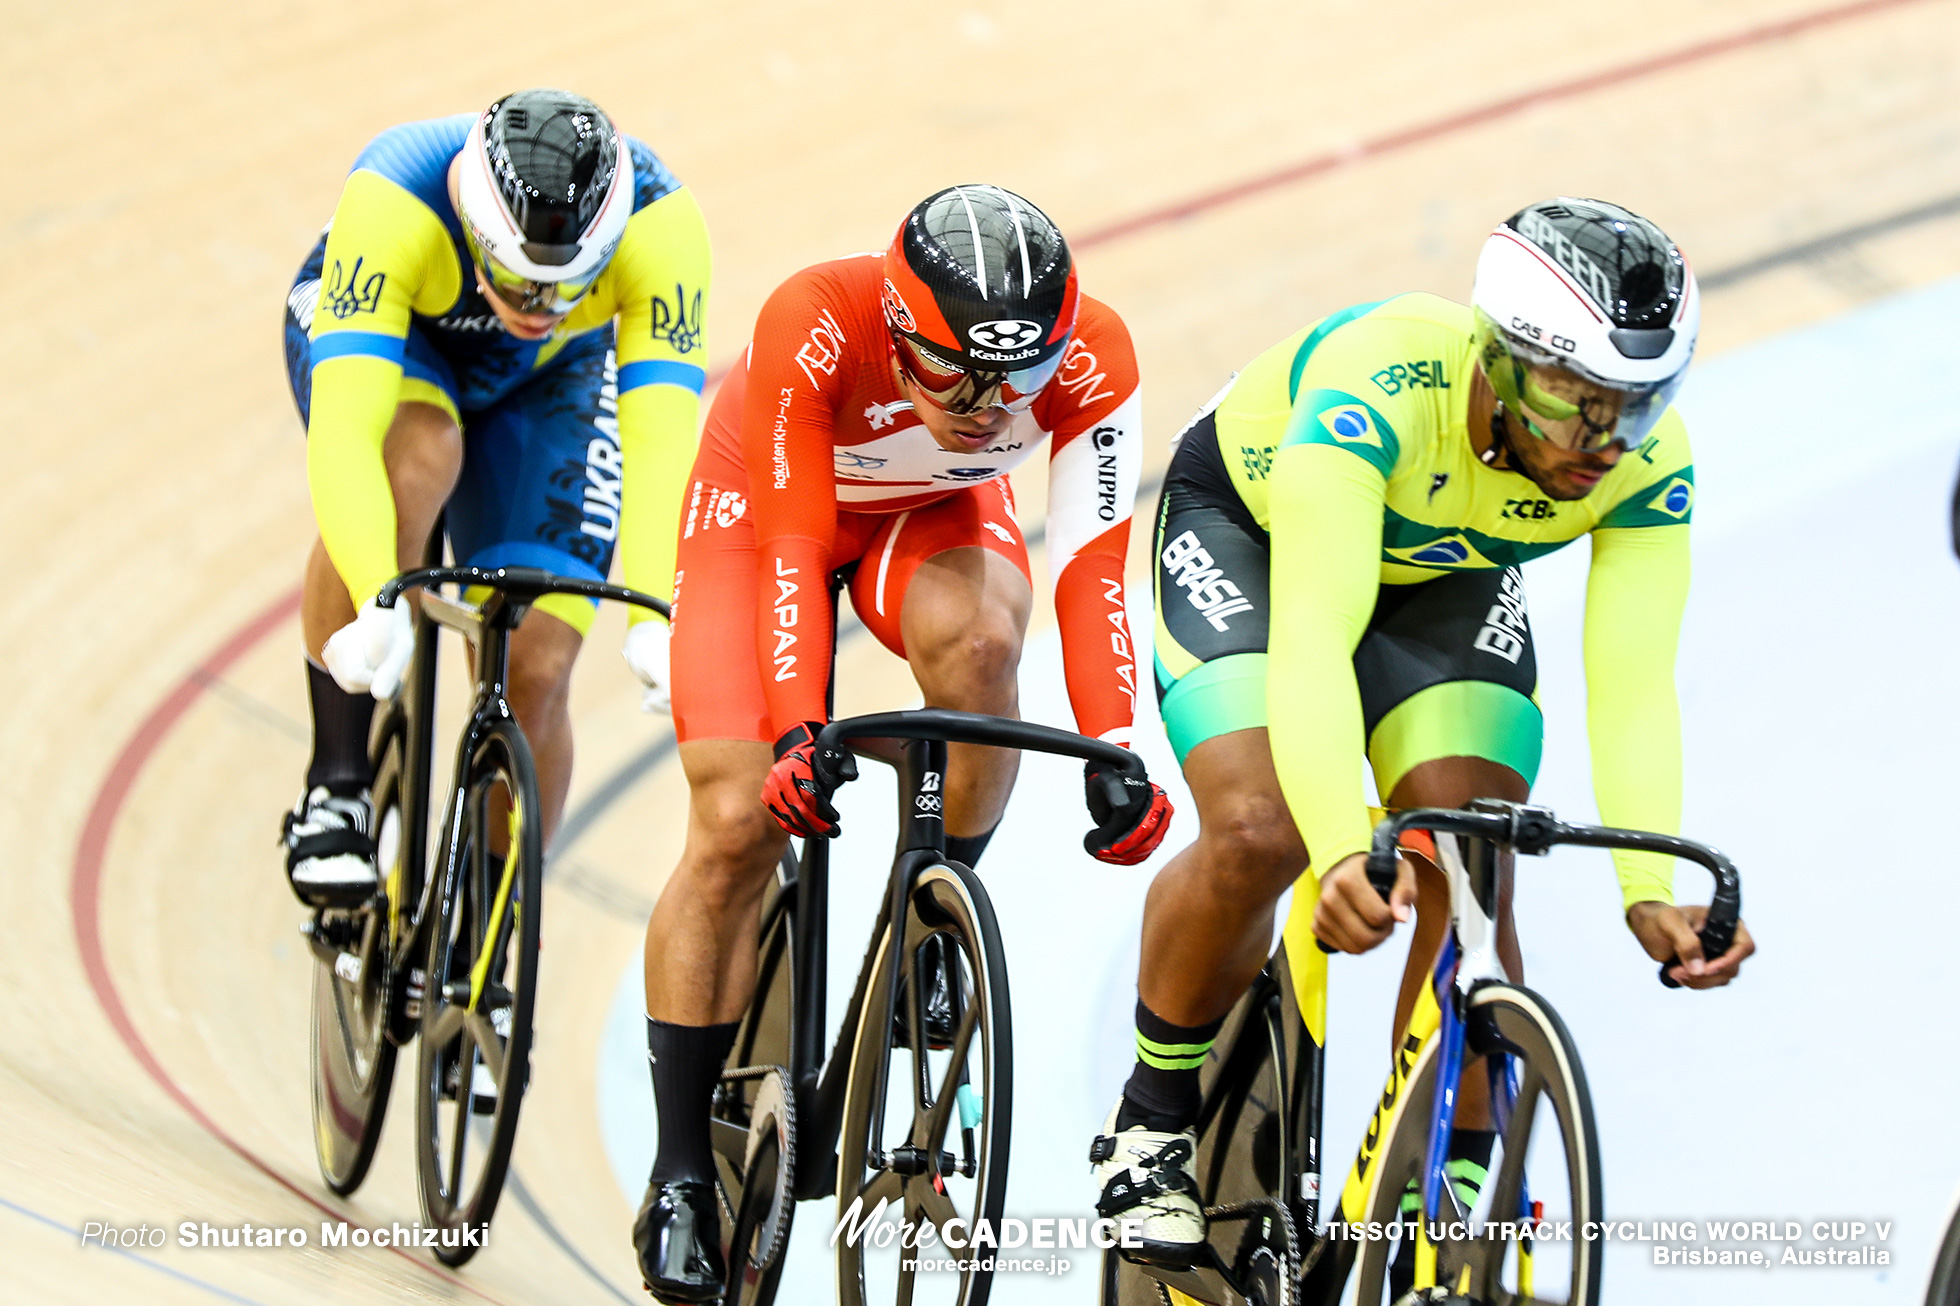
x=965 y=613
x=700 y=953
x=327 y=856
x=1452 y=782
x=1208 y=920
x=542 y=651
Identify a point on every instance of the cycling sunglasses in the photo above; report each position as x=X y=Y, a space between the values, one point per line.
x=524 y=295
x=960 y=391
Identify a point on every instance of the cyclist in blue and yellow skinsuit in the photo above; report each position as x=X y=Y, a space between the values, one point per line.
x=503 y=323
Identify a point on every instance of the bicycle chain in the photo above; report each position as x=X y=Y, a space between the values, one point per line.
x=1290 y=1270
x=785 y=1163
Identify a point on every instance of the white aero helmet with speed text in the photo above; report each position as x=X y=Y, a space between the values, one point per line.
x=1597 y=292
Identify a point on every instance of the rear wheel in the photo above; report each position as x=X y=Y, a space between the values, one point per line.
x=925 y=1128
x=353 y=1058
x=475 y=1052
x=1545 y=1165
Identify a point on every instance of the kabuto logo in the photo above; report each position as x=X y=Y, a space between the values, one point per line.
x=1004 y=334
x=896 y=313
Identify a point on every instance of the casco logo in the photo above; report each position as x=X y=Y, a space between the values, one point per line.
x=895 y=311
x=1004 y=333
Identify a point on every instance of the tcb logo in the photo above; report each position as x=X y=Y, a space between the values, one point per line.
x=1004 y=333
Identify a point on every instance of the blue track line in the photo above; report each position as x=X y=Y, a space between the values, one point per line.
x=144 y=1261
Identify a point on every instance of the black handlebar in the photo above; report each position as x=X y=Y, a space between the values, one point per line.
x=526 y=583
x=1536 y=831
x=972 y=728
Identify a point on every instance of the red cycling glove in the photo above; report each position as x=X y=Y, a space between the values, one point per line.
x=1130 y=823
x=791 y=792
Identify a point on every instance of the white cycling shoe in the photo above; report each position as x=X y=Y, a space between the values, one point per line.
x=330 y=848
x=1146 y=1179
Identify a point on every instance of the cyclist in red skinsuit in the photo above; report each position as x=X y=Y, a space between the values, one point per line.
x=869 y=429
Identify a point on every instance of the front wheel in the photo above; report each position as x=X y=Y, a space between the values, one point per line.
x=927 y=1112
x=475 y=1052
x=1545 y=1167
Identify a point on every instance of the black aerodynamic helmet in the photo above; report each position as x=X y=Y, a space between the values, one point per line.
x=545 y=190
x=980 y=297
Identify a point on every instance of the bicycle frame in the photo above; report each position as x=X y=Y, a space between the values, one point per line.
x=1284 y=1017
x=820 y=1084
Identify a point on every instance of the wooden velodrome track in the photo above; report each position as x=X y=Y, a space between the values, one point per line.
x=1227 y=171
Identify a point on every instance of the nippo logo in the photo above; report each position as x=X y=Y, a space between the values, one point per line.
x=895 y=311
x=1004 y=333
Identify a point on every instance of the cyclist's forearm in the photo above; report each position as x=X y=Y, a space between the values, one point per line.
x=1634 y=599
x=353 y=404
x=1326 y=515
x=656 y=436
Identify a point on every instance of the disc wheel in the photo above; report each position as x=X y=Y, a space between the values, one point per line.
x=353 y=1059
x=752 y=1121
x=474 y=1058
x=1545 y=1163
x=925 y=1128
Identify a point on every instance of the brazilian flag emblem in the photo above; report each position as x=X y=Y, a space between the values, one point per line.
x=1350 y=424
x=1674 y=499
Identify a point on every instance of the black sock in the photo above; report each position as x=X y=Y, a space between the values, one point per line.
x=1163 y=1090
x=340 y=735
x=686 y=1062
x=966 y=848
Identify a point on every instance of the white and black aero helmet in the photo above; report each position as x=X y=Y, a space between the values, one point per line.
x=545 y=190
x=1590 y=289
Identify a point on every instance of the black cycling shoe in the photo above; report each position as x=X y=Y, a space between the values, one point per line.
x=678 y=1237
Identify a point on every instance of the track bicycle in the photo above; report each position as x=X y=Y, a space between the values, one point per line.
x=911 y=1112
x=451 y=957
x=1943 y=1287
x=1258 y=1163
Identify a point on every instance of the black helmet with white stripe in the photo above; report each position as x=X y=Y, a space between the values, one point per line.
x=545 y=189
x=980 y=297
x=1586 y=318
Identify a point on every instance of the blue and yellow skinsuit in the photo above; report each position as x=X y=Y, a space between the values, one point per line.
x=1335 y=563
x=572 y=443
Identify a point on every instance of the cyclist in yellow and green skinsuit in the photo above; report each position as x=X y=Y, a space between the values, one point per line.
x=1338 y=547
x=502 y=325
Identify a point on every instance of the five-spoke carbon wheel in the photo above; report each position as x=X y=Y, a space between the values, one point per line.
x=482 y=971
x=353 y=1058
x=926 y=1115
x=1545 y=1166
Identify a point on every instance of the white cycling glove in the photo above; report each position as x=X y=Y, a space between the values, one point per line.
x=646 y=652
x=372 y=651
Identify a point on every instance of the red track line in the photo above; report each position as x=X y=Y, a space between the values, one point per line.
x=85 y=891
x=92 y=848
x=1429 y=131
